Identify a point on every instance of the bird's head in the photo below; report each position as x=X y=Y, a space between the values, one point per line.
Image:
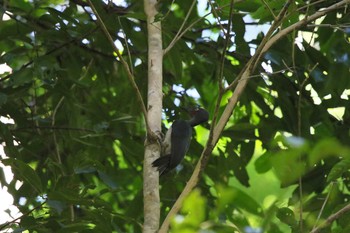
x=199 y=116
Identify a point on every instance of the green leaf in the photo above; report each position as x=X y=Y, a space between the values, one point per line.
x=287 y=216
x=237 y=198
x=338 y=170
x=107 y=179
x=3 y=99
x=25 y=173
x=194 y=207
x=263 y=163
x=327 y=148
x=288 y=165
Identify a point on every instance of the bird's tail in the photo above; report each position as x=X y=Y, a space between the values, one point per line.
x=162 y=164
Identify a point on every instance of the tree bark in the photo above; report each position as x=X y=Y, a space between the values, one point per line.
x=154 y=113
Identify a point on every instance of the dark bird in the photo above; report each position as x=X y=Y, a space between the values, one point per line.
x=177 y=141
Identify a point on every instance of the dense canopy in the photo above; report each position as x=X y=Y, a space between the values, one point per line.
x=76 y=146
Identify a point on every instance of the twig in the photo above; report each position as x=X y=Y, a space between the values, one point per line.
x=55 y=128
x=303 y=22
x=178 y=34
x=217 y=16
x=323 y=205
x=168 y=12
x=126 y=45
x=300 y=179
x=310 y=4
x=3 y=226
x=331 y=219
x=227 y=39
x=269 y=8
x=260 y=50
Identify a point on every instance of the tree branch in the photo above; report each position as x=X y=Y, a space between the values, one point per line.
x=179 y=34
x=5 y=225
x=241 y=82
x=303 y=22
x=331 y=219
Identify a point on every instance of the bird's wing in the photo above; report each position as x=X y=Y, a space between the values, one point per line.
x=180 y=141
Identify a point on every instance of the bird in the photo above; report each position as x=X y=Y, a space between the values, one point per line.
x=177 y=140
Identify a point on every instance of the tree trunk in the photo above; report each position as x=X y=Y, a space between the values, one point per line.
x=154 y=113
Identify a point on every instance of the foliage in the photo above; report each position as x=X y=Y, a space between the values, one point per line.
x=77 y=142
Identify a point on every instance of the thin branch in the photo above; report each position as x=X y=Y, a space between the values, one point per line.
x=178 y=34
x=188 y=28
x=216 y=16
x=276 y=23
x=55 y=128
x=323 y=206
x=168 y=12
x=269 y=8
x=303 y=22
x=127 y=46
x=5 y=225
x=64 y=44
x=299 y=119
x=184 y=32
x=310 y=4
x=227 y=39
x=259 y=51
x=127 y=68
x=232 y=101
x=332 y=218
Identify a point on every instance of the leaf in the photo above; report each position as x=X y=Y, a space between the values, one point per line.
x=194 y=207
x=109 y=180
x=288 y=165
x=25 y=173
x=21 y=77
x=263 y=164
x=327 y=148
x=286 y=215
x=59 y=206
x=3 y=99
x=338 y=170
x=237 y=198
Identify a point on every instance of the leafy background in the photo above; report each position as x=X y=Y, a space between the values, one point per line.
x=77 y=142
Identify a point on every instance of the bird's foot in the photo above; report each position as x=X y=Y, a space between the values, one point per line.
x=160 y=136
x=156 y=136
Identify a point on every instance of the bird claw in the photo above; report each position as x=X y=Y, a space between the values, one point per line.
x=160 y=136
x=156 y=136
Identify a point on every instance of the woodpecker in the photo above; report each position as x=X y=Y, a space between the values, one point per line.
x=177 y=141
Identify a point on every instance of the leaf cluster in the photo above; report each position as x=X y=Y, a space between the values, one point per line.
x=76 y=145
